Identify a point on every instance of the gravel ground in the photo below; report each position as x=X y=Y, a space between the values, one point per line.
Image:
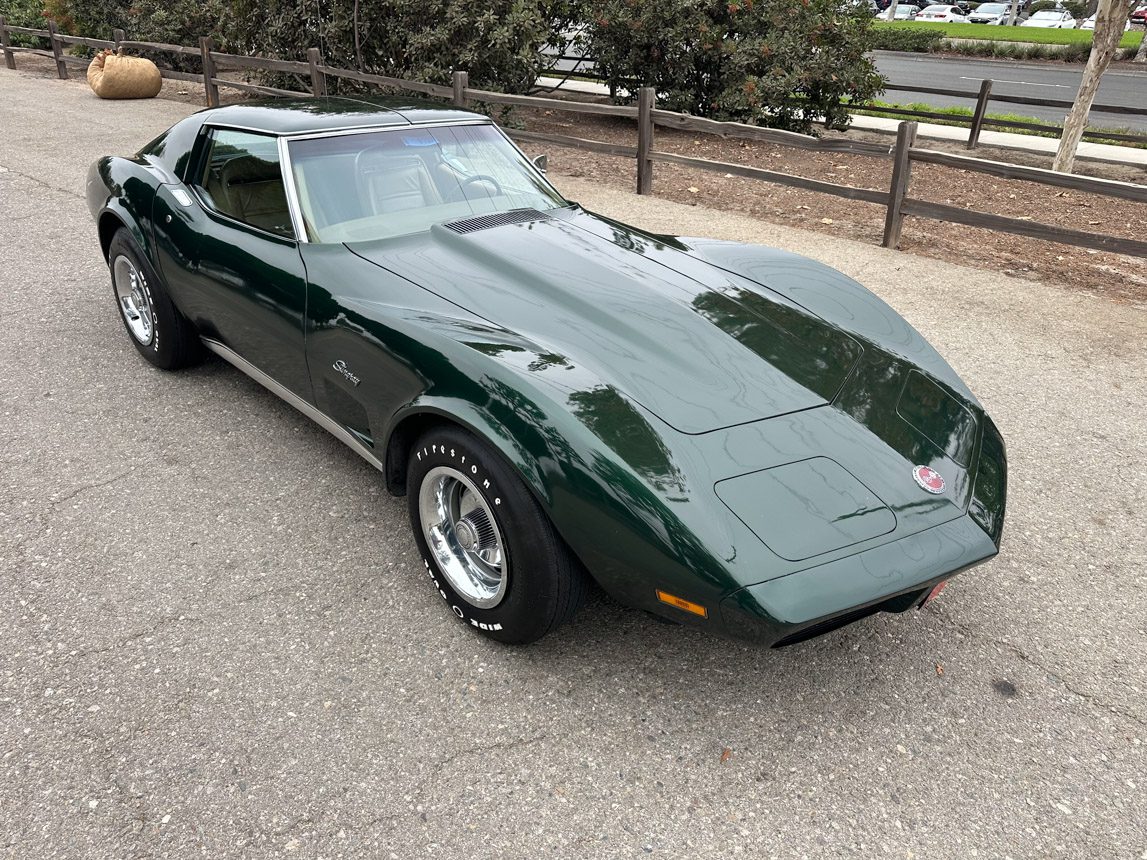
x=216 y=641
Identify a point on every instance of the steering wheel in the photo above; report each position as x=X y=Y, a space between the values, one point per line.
x=460 y=192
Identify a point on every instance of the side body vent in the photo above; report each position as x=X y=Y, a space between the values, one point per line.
x=497 y=219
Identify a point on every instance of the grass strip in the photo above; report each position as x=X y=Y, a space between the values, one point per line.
x=993 y=33
x=962 y=116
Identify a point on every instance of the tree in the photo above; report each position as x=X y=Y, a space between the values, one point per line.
x=1110 y=20
x=780 y=63
x=1141 y=54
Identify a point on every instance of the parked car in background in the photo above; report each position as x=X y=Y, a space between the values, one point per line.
x=1089 y=23
x=1139 y=16
x=905 y=12
x=1051 y=19
x=938 y=12
x=994 y=13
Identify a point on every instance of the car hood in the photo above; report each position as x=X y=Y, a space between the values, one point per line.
x=699 y=347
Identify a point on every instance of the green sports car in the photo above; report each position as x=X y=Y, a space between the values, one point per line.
x=726 y=435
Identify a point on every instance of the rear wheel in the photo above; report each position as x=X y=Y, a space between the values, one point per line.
x=487 y=545
x=159 y=331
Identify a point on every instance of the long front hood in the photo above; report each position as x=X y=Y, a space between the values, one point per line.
x=695 y=345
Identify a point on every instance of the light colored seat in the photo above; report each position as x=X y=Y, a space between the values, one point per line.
x=392 y=183
x=253 y=193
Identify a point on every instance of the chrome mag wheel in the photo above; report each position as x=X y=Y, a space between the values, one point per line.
x=134 y=300
x=463 y=536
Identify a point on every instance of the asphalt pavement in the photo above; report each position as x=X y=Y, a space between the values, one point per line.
x=1123 y=84
x=217 y=642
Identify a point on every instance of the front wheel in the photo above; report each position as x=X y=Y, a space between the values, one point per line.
x=158 y=330
x=487 y=545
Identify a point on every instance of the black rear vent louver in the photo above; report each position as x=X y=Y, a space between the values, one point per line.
x=498 y=219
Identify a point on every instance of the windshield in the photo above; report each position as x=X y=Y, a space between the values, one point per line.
x=376 y=185
x=1047 y=16
x=991 y=9
x=935 y=9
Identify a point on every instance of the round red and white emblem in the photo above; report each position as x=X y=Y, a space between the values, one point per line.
x=929 y=479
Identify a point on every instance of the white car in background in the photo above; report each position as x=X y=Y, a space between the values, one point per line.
x=990 y=13
x=904 y=12
x=1089 y=23
x=938 y=12
x=1053 y=19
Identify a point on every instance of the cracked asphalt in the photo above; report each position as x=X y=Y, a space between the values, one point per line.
x=216 y=641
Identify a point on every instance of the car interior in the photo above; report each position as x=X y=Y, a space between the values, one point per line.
x=244 y=181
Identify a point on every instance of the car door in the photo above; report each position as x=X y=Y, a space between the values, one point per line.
x=229 y=254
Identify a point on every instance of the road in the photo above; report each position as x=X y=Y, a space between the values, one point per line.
x=1120 y=85
x=218 y=642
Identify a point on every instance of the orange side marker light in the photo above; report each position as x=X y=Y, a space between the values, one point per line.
x=682 y=603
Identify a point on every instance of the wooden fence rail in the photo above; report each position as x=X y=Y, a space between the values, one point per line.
x=647 y=117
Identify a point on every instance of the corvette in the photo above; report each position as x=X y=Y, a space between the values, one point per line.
x=726 y=435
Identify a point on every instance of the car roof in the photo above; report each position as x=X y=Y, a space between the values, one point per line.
x=171 y=151
x=310 y=115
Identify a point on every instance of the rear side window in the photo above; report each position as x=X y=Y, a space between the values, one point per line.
x=242 y=179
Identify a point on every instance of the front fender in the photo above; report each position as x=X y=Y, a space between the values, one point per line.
x=623 y=490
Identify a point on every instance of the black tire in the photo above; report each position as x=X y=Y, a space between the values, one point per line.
x=544 y=584
x=173 y=342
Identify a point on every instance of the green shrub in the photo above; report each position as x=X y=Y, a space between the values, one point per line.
x=889 y=39
x=25 y=13
x=782 y=63
x=497 y=42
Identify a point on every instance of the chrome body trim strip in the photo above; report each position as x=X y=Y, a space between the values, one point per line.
x=293 y=205
x=374 y=129
x=321 y=418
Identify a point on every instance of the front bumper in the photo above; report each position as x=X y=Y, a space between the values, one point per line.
x=888 y=578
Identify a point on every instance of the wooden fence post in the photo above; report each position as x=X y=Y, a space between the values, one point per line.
x=211 y=91
x=9 y=57
x=118 y=35
x=460 y=80
x=57 y=51
x=646 y=100
x=981 y=112
x=318 y=76
x=901 y=174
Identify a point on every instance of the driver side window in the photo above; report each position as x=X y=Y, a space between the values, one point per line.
x=242 y=179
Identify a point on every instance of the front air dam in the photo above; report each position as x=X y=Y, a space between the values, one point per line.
x=891 y=577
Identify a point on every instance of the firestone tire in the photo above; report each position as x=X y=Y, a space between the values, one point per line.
x=487 y=546
x=155 y=326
